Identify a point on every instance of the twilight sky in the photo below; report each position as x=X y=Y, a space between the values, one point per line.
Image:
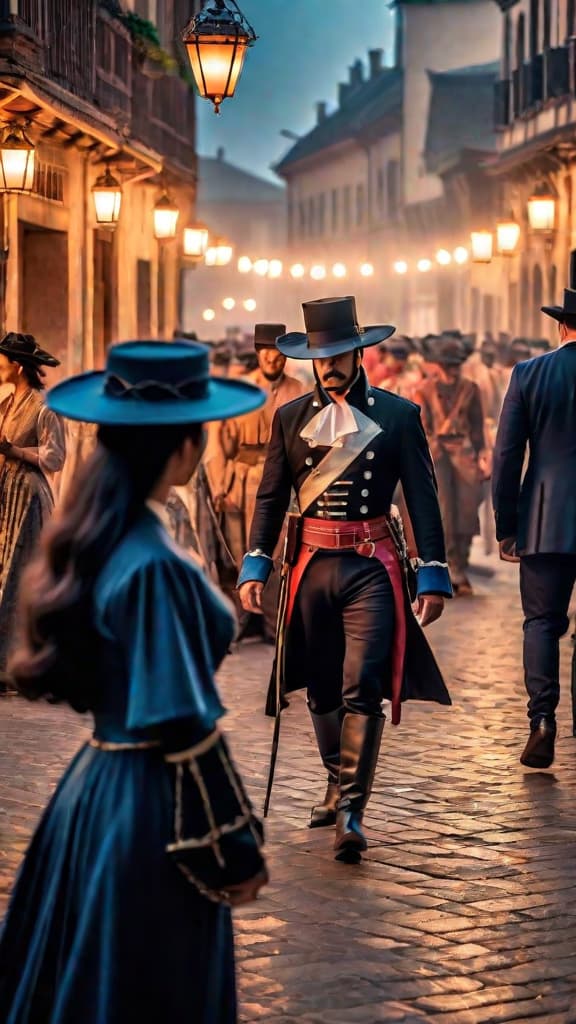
x=303 y=50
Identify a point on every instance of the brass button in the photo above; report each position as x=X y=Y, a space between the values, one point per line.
x=309 y=461
x=371 y=400
x=365 y=493
x=367 y=474
x=315 y=405
x=369 y=455
x=363 y=510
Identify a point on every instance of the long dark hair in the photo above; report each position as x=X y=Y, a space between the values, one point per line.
x=33 y=372
x=59 y=640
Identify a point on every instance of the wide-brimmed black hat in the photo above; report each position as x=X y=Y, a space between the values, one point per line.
x=23 y=348
x=567 y=309
x=265 y=335
x=151 y=383
x=331 y=328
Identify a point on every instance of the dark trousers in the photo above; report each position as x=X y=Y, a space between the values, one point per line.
x=546 y=583
x=344 y=618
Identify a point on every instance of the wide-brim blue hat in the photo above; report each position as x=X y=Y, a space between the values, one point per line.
x=332 y=328
x=152 y=383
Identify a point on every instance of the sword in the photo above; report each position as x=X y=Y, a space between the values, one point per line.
x=288 y=560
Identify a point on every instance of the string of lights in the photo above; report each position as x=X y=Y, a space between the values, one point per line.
x=274 y=269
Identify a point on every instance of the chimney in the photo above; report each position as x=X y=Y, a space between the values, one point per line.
x=356 y=74
x=376 y=60
x=321 y=111
x=220 y=153
x=343 y=90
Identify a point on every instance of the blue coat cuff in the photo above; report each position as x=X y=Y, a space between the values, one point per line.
x=433 y=579
x=254 y=567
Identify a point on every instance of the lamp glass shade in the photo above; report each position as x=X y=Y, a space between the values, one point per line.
x=216 y=62
x=107 y=197
x=482 y=245
x=17 y=161
x=507 y=237
x=195 y=241
x=165 y=218
x=542 y=211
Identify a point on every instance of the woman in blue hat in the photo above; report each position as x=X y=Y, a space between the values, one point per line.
x=122 y=907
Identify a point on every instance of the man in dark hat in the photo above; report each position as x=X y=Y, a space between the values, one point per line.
x=453 y=419
x=351 y=639
x=536 y=515
x=235 y=469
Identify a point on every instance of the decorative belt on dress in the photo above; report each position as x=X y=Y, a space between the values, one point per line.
x=109 y=745
x=358 y=535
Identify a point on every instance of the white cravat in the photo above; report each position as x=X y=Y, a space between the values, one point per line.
x=160 y=511
x=333 y=422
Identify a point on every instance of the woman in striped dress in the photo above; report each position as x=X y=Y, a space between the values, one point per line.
x=32 y=448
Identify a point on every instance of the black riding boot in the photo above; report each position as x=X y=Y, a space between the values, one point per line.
x=359 y=746
x=327 y=728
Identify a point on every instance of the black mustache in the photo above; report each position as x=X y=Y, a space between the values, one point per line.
x=336 y=374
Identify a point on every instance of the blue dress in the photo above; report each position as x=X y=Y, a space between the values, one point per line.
x=103 y=928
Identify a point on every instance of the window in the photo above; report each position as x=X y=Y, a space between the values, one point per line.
x=506 y=47
x=360 y=205
x=347 y=207
x=570 y=19
x=546 y=17
x=311 y=217
x=520 y=41
x=393 y=189
x=302 y=218
x=335 y=211
x=534 y=4
x=321 y=206
x=381 y=192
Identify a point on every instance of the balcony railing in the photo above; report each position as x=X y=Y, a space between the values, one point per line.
x=163 y=116
x=113 y=66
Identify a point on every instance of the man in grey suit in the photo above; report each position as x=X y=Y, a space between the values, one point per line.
x=536 y=515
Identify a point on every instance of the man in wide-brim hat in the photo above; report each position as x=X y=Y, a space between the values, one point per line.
x=351 y=638
x=536 y=514
x=236 y=456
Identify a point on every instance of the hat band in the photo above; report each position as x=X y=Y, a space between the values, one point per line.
x=319 y=338
x=155 y=390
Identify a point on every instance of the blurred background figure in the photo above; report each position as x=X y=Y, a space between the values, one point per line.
x=235 y=463
x=32 y=450
x=453 y=419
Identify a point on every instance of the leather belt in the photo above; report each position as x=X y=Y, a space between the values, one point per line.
x=112 y=747
x=349 y=535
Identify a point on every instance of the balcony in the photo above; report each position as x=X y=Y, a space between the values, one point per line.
x=113 y=67
x=163 y=117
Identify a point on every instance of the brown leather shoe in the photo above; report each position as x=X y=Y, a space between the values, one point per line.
x=539 y=750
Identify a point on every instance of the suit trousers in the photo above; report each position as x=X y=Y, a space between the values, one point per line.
x=546 y=584
x=344 y=619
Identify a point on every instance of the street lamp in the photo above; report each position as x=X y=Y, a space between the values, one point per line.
x=507 y=236
x=482 y=245
x=217 y=40
x=542 y=209
x=460 y=255
x=166 y=215
x=367 y=270
x=424 y=266
x=219 y=253
x=244 y=265
x=318 y=272
x=400 y=267
x=195 y=241
x=275 y=268
x=17 y=160
x=261 y=267
x=107 y=196
x=297 y=270
x=443 y=258
x=339 y=270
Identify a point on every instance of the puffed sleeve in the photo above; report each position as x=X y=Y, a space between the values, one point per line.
x=174 y=629
x=51 y=441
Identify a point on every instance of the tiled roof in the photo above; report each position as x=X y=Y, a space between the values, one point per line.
x=363 y=105
x=221 y=182
x=461 y=114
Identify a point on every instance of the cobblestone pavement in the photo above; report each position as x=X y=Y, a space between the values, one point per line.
x=463 y=910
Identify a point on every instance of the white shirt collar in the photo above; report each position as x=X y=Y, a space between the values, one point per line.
x=160 y=511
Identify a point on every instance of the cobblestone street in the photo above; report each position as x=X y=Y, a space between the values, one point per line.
x=464 y=909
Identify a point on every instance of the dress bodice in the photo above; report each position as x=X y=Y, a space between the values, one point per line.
x=164 y=629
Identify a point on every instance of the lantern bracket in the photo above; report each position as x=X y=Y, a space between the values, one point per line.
x=219 y=16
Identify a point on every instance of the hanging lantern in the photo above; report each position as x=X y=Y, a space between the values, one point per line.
x=217 y=40
x=17 y=160
x=507 y=236
x=482 y=245
x=460 y=255
x=219 y=253
x=261 y=267
x=542 y=209
x=107 y=196
x=424 y=265
x=166 y=215
x=400 y=267
x=195 y=241
x=443 y=258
